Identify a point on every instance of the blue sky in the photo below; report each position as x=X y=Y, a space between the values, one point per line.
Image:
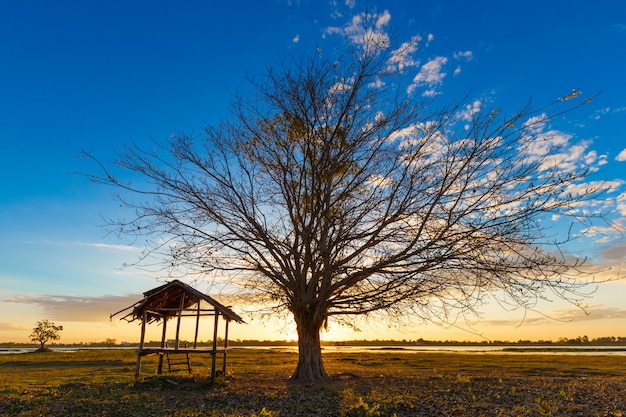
x=96 y=75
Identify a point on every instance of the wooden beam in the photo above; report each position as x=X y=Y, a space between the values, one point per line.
x=195 y=337
x=141 y=342
x=163 y=341
x=214 y=356
x=225 y=347
x=180 y=312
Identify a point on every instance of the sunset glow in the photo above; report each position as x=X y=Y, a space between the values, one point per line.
x=96 y=77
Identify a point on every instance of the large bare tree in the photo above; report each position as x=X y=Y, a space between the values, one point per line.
x=336 y=191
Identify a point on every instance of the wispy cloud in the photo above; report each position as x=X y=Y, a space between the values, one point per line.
x=76 y=309
x=365 y=29
x=463 y=55
x=403 y=57
x=620 y=27
x=124 y=248
x=107 y=246
x=598 y=114
x=557 y=149
x=470 y=110
x=430 y=74
x=613 y=256
x=13 y=326
x=621 y=206
x=621 y=157
x=592 y=313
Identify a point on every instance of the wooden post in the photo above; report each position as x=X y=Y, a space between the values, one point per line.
x=213 y=356
x=180 y=313
x=141 y=341
x=225 y=348
x=163 y=336
x=195 y=338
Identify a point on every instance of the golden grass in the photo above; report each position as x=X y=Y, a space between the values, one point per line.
x=380 y=383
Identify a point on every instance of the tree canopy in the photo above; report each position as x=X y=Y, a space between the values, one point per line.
x=44 y=332
x=337 y=190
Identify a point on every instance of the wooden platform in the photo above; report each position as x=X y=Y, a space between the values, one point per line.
x=166 y=352
x=159 y=351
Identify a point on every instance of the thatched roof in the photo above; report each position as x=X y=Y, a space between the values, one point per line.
x=166 y=300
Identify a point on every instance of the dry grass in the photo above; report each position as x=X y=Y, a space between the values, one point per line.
x=101 y=383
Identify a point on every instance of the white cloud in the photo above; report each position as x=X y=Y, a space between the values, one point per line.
x=470 y=110
x=359 y=32
x=124 y=248
x=544 y=143
x=536 y=124
x=383 y=20
x=621 y=204
x=621 y=157
x=557 y=149
x=77 y=309
x=377 y=83
x=431 y=72
x=405 y=133
x=296 y=39
x=582 y=188
x=466 y=55
x=606 y=111
x=402 y=57
x=462 y=55
x=591 y=157
x=569 y=159
x=429 y=93
x=341 y=87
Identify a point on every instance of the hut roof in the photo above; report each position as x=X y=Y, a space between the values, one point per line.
x=167 y=300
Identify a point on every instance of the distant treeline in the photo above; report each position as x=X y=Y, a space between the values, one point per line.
x=579 y=341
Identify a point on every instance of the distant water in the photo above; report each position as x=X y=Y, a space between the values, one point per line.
x=513 y=349
x=617 y=350
x=4 y=350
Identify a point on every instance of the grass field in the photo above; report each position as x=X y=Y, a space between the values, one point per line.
x=385 y=383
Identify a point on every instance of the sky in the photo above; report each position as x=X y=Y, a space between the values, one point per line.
x=96 y=75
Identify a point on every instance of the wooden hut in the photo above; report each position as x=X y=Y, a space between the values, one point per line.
x=176 y=300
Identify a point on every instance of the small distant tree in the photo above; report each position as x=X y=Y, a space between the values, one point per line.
x=109 y=341
x=44 y=332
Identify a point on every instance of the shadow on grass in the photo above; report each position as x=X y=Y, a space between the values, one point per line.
x=447 y=394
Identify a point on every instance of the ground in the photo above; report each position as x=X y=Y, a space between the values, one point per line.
x=365 y=384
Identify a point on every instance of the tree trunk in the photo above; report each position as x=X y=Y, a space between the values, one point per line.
x=310 y=366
